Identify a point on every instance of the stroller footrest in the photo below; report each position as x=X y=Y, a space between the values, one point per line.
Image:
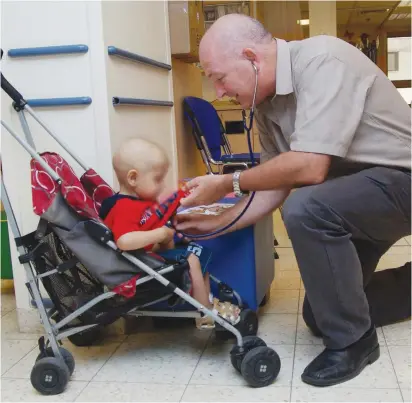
x=30 y=256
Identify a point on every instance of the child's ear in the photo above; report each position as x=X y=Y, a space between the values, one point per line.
x=132 y=176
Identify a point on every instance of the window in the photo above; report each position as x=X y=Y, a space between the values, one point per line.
x=393 y=61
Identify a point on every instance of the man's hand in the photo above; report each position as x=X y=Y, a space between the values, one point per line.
x=196 y=224
x=207 y=189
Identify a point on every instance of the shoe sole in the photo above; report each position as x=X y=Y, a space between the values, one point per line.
x=369 y=359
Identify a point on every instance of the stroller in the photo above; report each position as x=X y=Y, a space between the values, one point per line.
x=90 y=282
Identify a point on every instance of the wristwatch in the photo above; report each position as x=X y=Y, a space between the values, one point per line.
x=236 y=185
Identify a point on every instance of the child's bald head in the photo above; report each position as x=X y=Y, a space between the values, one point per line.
x=138 y=162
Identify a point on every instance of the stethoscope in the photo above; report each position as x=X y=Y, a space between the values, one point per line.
x=248 y=128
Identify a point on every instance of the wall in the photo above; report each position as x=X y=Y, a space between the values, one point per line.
x=90 y=131
x=27 y=24
x=403 y=47
x=187 y=81
x=279 y=18
x=129 y=25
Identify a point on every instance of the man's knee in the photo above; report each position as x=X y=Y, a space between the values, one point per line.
x=297 y=208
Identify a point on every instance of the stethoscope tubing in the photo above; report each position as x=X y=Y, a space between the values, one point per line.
x=248 y=128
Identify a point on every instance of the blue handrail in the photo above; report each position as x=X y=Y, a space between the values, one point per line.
x=136 y=101
x=47 y=50
x=113 y=51
x=59 y=101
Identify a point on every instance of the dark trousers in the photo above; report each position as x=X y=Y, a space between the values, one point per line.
x=339 y=231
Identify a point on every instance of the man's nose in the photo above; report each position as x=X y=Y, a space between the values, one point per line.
x=220 y=91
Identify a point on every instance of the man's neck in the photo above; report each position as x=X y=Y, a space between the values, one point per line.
x=269 y=78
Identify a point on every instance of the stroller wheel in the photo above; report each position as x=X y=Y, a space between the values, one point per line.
x=86 y=338
x=49 y=376
x=260 y=367
x=249 y=343
x=67 y=356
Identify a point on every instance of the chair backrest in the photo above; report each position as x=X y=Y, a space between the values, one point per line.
x=206 y=123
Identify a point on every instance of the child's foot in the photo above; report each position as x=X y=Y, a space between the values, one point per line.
x=205 y=323
x=227 y=311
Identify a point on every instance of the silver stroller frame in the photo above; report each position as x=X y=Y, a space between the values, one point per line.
x=244 y=345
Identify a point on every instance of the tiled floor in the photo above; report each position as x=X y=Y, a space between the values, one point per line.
x=188 y=365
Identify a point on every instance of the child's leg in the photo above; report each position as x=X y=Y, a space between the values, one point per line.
x=201 y=286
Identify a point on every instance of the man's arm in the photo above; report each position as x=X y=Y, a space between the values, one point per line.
x=287 y=170
x=263 y=203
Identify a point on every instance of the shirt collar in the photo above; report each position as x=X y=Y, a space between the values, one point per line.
x=284 y=85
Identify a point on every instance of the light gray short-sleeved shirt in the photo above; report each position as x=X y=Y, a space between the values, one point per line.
x=330 y=99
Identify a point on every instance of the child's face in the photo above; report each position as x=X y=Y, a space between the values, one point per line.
x=149 y=183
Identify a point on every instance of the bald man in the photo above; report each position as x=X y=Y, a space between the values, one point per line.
x=334 y=128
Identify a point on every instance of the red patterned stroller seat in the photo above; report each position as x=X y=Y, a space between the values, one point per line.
x=84 y=196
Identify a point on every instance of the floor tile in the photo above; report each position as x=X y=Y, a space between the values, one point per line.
x=21 y=390
x=8 y=303
x=215 y=368
x=285 y=263
x=282 y=301
x=209 y=393
x=398 y=334
x=10 y=329
x=88 y=360
x=393 y=261
x=408 y=239
x=301 y=299
x=401 y=359
x=401 y=242
x=131 y=392
x=378 y=375
x=286 y=280
x=406 y=394
x=333 y=394
x=153 y=359
x=277 y=328
x=12 y=351
x=399 y=250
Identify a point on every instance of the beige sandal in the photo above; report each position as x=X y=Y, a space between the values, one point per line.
x=227 y=311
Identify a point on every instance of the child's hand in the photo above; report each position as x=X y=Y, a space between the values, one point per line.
x=169 y=234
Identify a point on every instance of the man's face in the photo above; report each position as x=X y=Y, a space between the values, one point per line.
x=231 y=77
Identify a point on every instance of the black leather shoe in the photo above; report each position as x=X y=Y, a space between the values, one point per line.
x=336 y=366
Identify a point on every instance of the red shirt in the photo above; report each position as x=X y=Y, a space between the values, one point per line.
x=124 y=214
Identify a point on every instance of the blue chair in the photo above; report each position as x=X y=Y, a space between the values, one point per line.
x=210 y=137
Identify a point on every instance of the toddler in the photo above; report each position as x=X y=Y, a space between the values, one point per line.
x=141 y=167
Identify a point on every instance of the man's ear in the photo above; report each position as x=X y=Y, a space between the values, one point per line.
x=132 y=176
x=250 y=55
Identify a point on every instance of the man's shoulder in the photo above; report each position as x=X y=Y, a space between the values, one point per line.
x=322 y=45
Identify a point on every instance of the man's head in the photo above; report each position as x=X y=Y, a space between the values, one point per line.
x=227 y=52
x=140 y=167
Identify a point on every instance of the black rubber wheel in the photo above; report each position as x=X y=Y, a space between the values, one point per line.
x=265 y=299
x=49 y=376
x=248 y=324
x=67 y=356
x=260 y=367
x=86 y=338
x=249 y=343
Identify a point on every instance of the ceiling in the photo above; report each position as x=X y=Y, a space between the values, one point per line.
x=393 y=16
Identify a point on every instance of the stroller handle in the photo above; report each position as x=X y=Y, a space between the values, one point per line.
x=10 y=90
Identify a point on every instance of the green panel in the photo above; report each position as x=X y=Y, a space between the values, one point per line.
x=6 y=268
